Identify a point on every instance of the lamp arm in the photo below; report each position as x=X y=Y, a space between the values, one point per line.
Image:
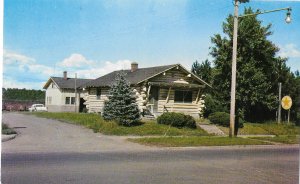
x=258 y=13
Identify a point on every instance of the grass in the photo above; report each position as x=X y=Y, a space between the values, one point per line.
x=281 y=139
x=6 y=130
x=196 y=141
x=266 y=129
x=95 y=122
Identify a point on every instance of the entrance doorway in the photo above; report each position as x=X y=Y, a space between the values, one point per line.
x=153 y=99
x=81 y=105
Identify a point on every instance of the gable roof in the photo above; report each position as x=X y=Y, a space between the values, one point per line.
x=136 y=77
x=68 y=83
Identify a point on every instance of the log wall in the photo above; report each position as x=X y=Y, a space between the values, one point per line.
x=93 y=104
x=195 y=108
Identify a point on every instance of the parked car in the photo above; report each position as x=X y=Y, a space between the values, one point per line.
x=38 y=108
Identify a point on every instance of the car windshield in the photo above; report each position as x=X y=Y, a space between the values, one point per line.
x=39 y=105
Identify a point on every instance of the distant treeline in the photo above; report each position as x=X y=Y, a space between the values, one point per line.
x=14 y=94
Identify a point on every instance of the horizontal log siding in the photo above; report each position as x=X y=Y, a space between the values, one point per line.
x=93 y=104
x=171 y=106
x=139 y=98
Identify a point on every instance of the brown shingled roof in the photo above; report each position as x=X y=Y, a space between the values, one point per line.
x=135 y=77
x=68 y=83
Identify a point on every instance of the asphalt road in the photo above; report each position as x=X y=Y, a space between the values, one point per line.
x=132 y=163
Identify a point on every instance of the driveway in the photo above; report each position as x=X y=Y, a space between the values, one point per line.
x=47 y=135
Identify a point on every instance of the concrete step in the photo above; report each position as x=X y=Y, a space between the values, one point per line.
x=148 y=117
x=212 y=129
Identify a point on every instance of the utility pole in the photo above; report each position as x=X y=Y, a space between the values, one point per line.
x=233 y=72
x=75 y=92
x=234 y=56
x=279 y=103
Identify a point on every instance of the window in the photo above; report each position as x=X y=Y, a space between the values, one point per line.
x=49 y=99
x=98 y=93
x=183 y=96
x=72 y=100
x=67 y=100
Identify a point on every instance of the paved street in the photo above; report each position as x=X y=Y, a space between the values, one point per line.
x=48 y=151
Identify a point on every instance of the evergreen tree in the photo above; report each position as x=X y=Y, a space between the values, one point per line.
x=10 y=94
x=203 y=70
x=258 y=68
x=121 y=105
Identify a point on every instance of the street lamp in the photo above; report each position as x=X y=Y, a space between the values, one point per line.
x=288 y=16
x=234 y=56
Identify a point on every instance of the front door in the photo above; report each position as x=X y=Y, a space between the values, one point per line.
x=81 y=105
x=153 y=98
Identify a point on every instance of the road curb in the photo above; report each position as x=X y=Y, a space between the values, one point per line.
x=5 y=138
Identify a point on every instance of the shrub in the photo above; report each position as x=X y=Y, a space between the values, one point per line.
x=177 y=120
x=190 y=121
x=212 y=105
x=4 y=126
x=223 y=119
x=6 y=130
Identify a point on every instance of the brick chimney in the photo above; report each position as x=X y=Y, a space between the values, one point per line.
x=65 y=75
x=134 y=66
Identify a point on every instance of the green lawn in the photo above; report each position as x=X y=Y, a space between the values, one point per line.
x=196 y=141
x=96 y=123
x=281 y=139
x=266 y=129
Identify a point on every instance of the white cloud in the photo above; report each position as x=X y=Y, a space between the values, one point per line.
x=13 y=83
x=289 y=50
x=102 y=69
x=90 y=69
x=75 y=60
x=21 y=71
x=11 y=57
x=24 y=63
x=41 y=69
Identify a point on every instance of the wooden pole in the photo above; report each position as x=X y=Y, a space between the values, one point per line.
x=75 y=92
x=167 y=100
x=289 y=116
x=279 y=104
x=233 y=72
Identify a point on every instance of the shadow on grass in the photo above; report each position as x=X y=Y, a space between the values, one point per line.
x=134 y=124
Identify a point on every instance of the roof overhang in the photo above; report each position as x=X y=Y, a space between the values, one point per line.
x=176 y=85
x=49 y=82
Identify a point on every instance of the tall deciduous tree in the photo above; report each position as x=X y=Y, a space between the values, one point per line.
x=121 y=105
x=258 y=68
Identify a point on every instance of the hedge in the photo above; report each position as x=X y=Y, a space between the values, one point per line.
x=177 y=120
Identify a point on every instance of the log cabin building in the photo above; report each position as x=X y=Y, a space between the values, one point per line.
x=170 y=88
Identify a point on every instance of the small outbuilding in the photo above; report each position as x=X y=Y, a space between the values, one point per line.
x=61 y=95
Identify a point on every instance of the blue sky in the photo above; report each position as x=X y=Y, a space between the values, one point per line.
x=42 y=38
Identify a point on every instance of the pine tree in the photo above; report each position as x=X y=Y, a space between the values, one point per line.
x=121 y=105
x=203 y=70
